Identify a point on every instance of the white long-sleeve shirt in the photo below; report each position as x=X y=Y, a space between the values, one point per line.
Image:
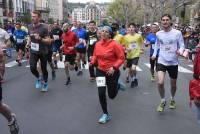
x=169 y=43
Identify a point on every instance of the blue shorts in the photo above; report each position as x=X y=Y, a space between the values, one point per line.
x=56 y=47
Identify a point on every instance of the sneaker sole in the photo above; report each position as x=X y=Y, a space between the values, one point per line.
x=104 y=122
x=16 y=125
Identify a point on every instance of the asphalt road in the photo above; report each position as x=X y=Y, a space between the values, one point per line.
x=75 y=109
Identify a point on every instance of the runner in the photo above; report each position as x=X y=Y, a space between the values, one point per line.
x=108 y=57
x=134 y=45
x=171 y=44
x=81 y=47
x=150 y=40
x=57 y=33
x=39 y=40
x=91 y=41
x=70 y=40
x=19 y=36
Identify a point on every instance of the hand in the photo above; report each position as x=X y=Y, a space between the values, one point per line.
x=153 y=57
x=128 y=49
x=61 y=47
x=141 y=51
x=110 y=71
x=27 y=45
x=90 y=64
x=71 y=48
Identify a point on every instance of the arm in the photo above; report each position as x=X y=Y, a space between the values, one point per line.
x=181 y=44
x=7 y=42
x=157 y=44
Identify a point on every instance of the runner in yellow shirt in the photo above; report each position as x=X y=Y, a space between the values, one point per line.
x=134 y=45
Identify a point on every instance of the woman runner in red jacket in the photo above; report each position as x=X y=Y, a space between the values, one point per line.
x=108 y=56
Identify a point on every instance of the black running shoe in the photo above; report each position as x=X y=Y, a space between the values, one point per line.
x=127 y=79
x=132 y=84
x=14 y=128
x=68 y=81
x=79 y=73
x=136 y=82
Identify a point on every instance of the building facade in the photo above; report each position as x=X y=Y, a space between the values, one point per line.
x=91 y=11
x=6 y=11
x=43 y=7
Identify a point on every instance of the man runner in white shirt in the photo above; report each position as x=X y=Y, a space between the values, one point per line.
x=171 y=44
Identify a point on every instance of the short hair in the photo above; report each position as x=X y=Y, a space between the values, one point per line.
x=167 y=15
x=133 y=24
x=92 y=21
x=42 y=21
x=37 y=12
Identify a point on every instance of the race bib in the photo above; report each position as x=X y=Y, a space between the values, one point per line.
x=169 y=49
x=92 y=41
x=80 y=40
x=34 y=46
x=56 y=37
x=101 y=81
x=133 y=45
x=20 y=40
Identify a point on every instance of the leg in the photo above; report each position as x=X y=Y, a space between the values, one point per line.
x=152 y=63
x=161 y=77
x=33 y=64
x=161 y=89
x=173 y=73
x=102 y=93
x=43 y=60
x=112 y=84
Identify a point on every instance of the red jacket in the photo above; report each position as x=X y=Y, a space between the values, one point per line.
x=108 y=54
x=69 y=39
x=196 y=63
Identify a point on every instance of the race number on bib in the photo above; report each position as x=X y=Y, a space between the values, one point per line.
x=34 y=46
x=20 y=40
x=92 y=41
x=133 y=45
x=56 y=37
x=169 y=48
x=101 y=81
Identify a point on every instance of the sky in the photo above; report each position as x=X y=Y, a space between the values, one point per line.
x=84 y=1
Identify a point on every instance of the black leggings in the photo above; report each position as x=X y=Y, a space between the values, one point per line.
x=153 y=63
x=33 y=65
x=112 y=84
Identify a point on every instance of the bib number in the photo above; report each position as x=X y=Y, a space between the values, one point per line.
x=133 y=45
x=92 y=41
x=35 y=46
x=56 y=37
x=20 y=40
x=168 y=48
x=101 y=81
